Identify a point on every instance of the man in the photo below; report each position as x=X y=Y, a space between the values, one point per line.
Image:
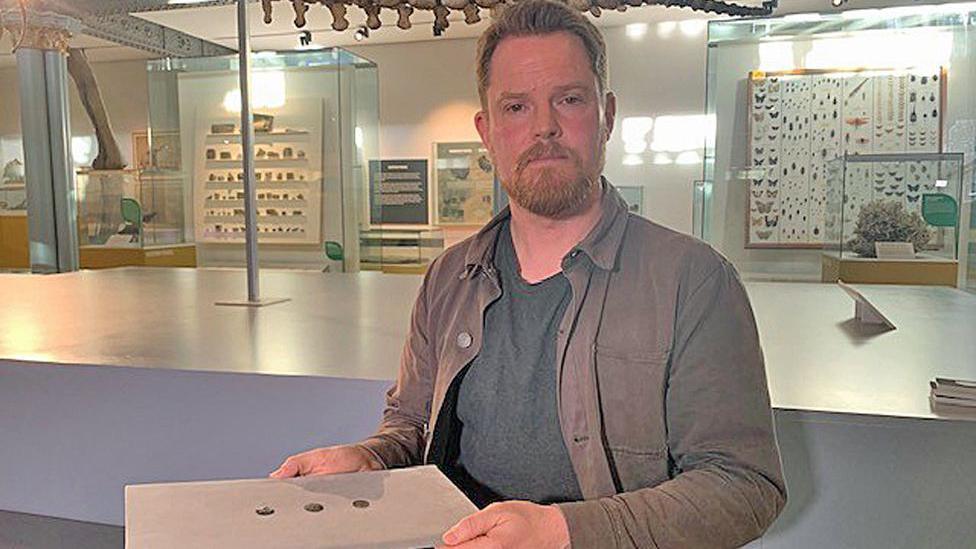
x=593 y=376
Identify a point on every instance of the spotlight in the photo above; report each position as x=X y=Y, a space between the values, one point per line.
x=304 y=38
x=362 y=33
x=837 y=3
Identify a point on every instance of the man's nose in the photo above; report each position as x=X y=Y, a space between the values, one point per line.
x=547 y=123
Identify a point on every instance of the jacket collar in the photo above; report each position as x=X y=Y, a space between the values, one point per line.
x=601 y=245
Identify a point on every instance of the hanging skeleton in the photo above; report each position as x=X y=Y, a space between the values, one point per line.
x=471 y=8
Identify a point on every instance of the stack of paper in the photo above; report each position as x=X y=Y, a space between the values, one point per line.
x=953 y=392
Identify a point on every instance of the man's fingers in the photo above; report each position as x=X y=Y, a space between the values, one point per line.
x=287 y=469
x=479 y=543
x=471 y=527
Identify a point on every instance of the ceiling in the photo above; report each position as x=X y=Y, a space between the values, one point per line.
x=98 y=50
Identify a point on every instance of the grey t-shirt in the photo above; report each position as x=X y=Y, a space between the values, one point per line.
x=511 y=442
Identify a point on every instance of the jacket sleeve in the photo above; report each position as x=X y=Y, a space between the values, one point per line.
x=399 y=441
x=727 y=486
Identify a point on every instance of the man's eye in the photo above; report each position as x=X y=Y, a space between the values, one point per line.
x=572 y=100
x=514 y=107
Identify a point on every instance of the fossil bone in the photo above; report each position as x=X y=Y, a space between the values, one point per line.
x=471 y=16
x=440 y=19
x=405 y=10
x=339 y=21
x=109 y=157
x=300 y=9
x=372 y=10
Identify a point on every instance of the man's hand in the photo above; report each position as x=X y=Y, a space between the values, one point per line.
x=511 y=525
x=328 y=461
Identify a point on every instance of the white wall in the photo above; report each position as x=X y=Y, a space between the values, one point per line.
x=428 y=94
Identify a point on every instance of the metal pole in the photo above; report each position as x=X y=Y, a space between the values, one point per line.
x=247 y=149
x=247 y=146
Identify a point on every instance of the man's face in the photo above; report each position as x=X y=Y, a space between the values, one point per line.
x=546 y=125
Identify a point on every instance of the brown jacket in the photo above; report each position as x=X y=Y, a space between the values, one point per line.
x=662 y=392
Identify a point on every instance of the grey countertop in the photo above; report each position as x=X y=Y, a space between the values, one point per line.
x=353 y=326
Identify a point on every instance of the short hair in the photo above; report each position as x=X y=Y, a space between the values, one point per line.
x=540 y=17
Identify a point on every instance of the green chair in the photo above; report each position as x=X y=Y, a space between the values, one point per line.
x=333 y=251
x=132 y=216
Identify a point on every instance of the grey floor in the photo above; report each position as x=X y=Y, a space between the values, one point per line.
x=23 y=531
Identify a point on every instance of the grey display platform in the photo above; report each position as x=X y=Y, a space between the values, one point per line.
x=133 y=376
x=376 y=510
x=820 y=359
x=340 y=325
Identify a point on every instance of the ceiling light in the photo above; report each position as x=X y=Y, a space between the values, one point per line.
x=636 y=31
x=362 y=33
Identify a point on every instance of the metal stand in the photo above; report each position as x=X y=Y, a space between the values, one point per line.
x=247 y=146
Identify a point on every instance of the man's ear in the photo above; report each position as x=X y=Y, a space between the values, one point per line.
x=609 y=113
x=481 y=124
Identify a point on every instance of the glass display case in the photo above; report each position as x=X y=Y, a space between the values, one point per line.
x=315 y=127
x=130 y=208
x=401 y=249
x=13 y=189
x=901 y=208
x=791 y=94
x=14 y=248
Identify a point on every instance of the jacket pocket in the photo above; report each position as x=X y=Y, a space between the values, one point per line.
x=631 y=388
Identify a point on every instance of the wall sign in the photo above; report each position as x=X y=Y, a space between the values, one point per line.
x=398 y=192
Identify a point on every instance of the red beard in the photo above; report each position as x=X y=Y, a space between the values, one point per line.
x=555 y=191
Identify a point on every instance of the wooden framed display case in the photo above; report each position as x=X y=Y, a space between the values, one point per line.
x=14 y=251
x=132 y=217
x=911 y=198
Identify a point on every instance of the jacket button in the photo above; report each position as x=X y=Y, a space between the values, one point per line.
x=464 y=340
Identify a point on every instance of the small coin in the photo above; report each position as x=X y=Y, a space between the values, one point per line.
x=264 y=511
x=313 y=507
x=360 y=504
